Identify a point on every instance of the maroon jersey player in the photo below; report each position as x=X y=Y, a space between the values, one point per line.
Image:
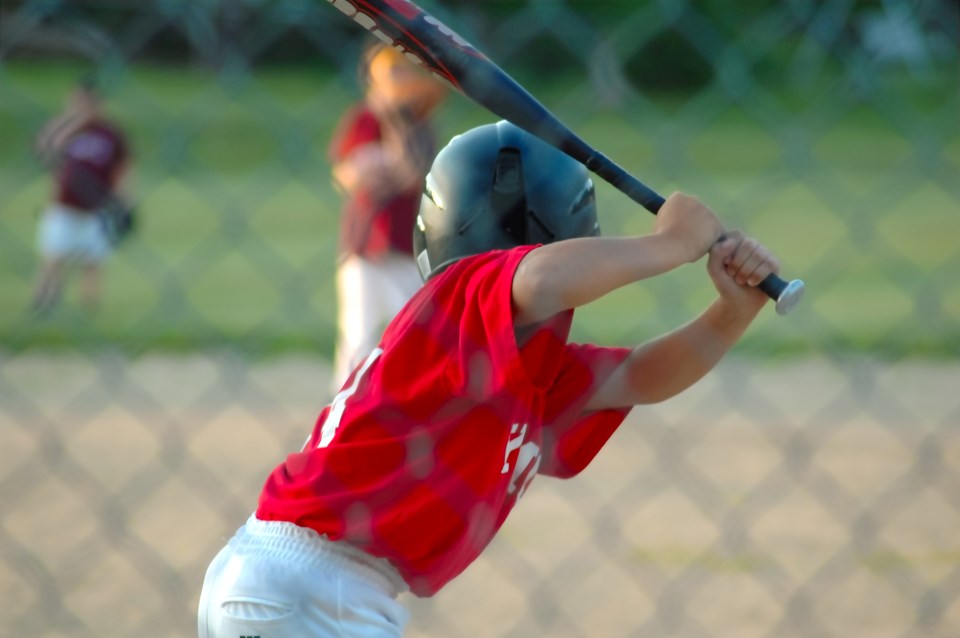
x=89 y=157
x=473 y=391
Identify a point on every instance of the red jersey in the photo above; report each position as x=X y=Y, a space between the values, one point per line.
x=373 y=226
x=425 y=451
x=89 y=166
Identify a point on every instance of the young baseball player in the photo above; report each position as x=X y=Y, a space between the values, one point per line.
x=89 y=157
x=380 y=153
x=473 y=390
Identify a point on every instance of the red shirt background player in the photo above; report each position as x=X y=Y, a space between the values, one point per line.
x=377 y=218
x=473 y=390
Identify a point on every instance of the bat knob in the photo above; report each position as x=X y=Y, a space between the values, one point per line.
x=789 y=297
x=786 y=294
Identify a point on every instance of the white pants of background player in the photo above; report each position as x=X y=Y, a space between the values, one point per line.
x=369 y=294
x=279 y=580
x=68 y=234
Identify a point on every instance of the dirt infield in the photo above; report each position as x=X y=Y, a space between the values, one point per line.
x=811 y=498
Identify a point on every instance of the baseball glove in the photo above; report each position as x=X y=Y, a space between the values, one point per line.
x=119 y=220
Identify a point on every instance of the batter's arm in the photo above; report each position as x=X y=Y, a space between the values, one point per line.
x=668 y=365
x=572 y=273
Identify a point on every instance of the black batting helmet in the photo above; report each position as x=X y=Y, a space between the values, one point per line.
x=497 y=186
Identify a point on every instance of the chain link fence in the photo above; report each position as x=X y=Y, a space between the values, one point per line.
x=809 y=487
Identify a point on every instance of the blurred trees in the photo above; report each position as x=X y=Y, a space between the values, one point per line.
x=663 y=44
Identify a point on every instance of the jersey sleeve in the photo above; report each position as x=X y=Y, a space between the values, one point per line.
x=487 y=357
x=357 y=128
x=571 y=436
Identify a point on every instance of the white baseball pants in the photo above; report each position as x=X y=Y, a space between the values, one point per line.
x=279 y=580
x=369 y=295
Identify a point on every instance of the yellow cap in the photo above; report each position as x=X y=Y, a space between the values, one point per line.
x=397 y=81
x=381 y=64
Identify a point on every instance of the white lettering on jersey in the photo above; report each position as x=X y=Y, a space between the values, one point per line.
x=339 y=403
x=513 y=443
x=527 y=461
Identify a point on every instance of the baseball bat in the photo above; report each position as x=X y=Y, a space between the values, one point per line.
x=427 y=42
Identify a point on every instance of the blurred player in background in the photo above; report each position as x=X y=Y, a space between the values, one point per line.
x=472 y=391
x=89 y=159
x=380 y=152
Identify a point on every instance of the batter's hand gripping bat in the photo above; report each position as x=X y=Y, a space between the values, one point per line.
x=428 y=42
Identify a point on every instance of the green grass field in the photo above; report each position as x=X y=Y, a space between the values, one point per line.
x=860 y=197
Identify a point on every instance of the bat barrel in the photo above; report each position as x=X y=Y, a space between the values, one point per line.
x=613 y=173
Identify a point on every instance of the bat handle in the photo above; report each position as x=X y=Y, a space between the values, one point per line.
x=786 y=293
